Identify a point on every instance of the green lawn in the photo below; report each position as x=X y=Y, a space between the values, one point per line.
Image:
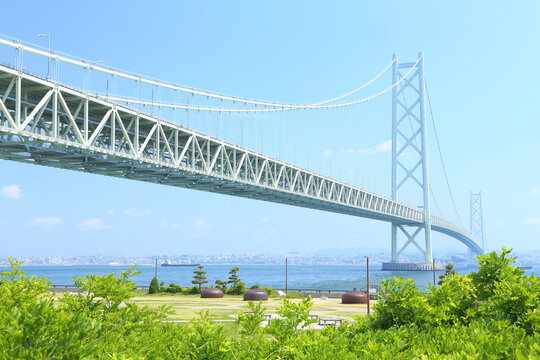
x=186 y=307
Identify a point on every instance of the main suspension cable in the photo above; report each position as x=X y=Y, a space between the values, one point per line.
x=441 y=157
x=59 y=56
x=289 y=108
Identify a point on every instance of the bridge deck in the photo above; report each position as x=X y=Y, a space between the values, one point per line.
x=50 y=124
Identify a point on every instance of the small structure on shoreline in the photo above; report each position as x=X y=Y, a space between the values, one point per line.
x=354 y=297
x=211 y=293
x=256 y=295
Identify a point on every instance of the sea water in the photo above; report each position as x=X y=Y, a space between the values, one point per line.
x=324 y=277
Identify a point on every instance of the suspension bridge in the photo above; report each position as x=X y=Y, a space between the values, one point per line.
x=46 y=122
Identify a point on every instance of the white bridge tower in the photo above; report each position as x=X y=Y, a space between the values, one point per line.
x=410 y=160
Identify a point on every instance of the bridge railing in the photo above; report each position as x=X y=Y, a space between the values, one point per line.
x=87 y=133
x=50 y=124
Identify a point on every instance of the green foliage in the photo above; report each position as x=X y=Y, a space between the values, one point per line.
x=222 y=285
x=270 y=291
x=515 y=300
x=237 y=289
x=453 y=302
x=401 y=303
x=492 y=269
x=250 y=323
x=256 y=286
x=199 y=277
x=154 y=286
x=294 y=315
x=234 y=278
x=452 y=321
x=174 y=289
x=449 y=270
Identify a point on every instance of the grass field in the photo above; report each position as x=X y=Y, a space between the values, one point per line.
x=186 y=307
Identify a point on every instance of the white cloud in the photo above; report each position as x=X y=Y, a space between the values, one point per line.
x=385 y=146
x=44 y=222
x=327 y=152
x=11 y=191
x=162 y=223
x=168 y=224
x=382 y=147
x=534 y=221
x=500 y=223
x=266 y=219
x=92 y=224
x=137 y=212
x=111 y=212
x=535 y=191
x=203 y=224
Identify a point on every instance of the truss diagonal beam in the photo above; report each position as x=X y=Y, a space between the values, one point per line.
x=104 y=138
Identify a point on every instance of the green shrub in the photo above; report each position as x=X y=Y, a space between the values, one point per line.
x=102 y=323
x=270 y=291
x=401 y=303
x=454 y=301
x=256 y=286
x=492 y=269
x=154 y=286
x=250 y=323
x=237 y=289
x=174 y=289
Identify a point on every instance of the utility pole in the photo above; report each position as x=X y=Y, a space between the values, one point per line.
x=286 y=275
x=155 y=269
x=367 y=285
x=434 y=283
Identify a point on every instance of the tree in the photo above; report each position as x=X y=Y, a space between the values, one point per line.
x=199 y=277
x=449 y=270
x=234 y=279
x=237 y=286
x=222 y=285
x=154 y=286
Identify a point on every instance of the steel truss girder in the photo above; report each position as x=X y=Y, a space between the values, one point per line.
x=53 y=125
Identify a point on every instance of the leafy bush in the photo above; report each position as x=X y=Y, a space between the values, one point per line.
x=237 y=289
x=256 y=286
x=174 y=289
x=154 y=286
x=101 y=323
x=270 y=291
x=250 y=323
x=492 y=269
x=400 y=303
x=454 y=301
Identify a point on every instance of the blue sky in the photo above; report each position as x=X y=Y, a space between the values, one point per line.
x=482 y=71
